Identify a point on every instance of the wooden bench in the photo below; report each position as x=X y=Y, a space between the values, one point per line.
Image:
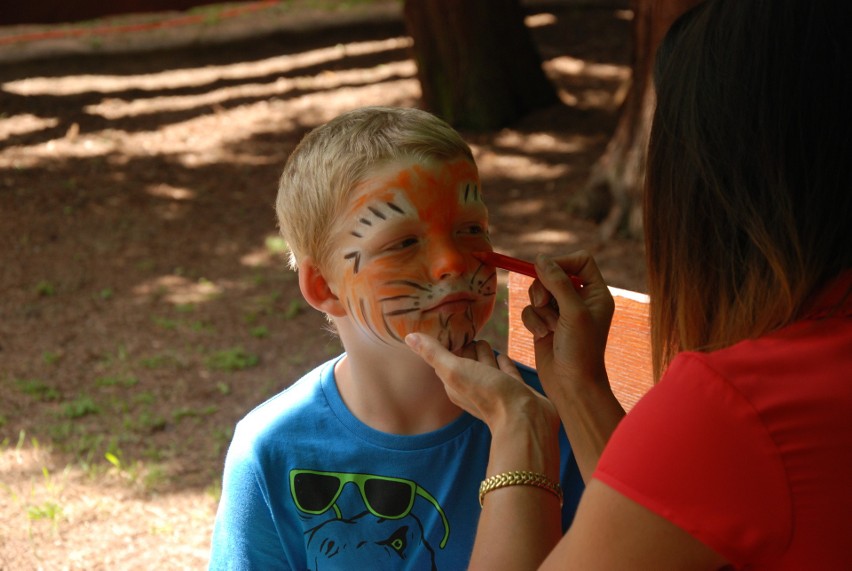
x=628 y=353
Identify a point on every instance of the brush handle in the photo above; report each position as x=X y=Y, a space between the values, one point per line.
x=516 y=265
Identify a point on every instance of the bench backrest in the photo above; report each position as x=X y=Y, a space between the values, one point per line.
x=628 y=353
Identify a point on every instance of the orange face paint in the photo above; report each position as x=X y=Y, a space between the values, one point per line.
x=406 y=244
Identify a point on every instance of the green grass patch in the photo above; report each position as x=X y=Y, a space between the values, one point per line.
x=38 y=389
x=80 y=407
x=233 y=359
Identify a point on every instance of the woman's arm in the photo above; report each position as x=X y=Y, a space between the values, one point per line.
x=570 y=329
x=520 y=524
x=612 y=532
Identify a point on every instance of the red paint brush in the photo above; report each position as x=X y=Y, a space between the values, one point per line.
x=516 y=265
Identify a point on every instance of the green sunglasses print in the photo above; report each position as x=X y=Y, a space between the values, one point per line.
x=316 y=492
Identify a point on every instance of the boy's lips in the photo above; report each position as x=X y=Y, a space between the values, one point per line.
x=453 y=303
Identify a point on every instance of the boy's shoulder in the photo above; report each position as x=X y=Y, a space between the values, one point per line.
x=293 y=404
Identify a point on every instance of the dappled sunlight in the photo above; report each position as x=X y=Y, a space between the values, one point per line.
x=26 y=456
x=179 y=290
x=203 y=139
x=66 y=506
x=540 y=19
x=523 y=207
x=114 y=108
x=171 y=192
x=573 y=66
x=540 y=142
x=511 y=166
x=532 y=156
x=199 y=76
x=272 y=253
x=551 y=236
x=25 y=123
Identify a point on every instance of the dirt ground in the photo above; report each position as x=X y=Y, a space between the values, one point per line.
x=145 y=303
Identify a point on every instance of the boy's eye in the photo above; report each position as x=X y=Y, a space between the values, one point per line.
x=474 y=229
x=402 y=244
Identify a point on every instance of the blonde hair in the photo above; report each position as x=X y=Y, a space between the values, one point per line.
x=333 y=158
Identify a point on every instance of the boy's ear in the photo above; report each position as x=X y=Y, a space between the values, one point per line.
x=316 y=291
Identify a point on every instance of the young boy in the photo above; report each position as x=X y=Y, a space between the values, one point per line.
x=365 y=463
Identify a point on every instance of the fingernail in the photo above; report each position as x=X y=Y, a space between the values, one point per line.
x=540 y=332
x=544 y=262
x=413 y=341
x=538 y=297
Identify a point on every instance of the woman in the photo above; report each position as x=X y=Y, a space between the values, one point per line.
x=741 y=455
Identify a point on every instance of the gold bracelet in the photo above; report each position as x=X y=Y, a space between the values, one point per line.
x=519 y=478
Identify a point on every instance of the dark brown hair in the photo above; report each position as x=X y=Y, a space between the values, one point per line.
x=747 y=199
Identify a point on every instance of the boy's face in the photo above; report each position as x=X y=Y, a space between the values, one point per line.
x=404 y=249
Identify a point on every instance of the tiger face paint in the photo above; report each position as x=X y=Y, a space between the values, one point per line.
x=404 y=247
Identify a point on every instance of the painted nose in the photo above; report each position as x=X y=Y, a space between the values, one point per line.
x=447 y=262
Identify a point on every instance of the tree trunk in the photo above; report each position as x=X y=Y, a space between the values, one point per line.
x=613 y=193
x=477 y=63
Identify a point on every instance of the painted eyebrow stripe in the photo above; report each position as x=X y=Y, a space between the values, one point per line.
x=471 y=196
x=377 y=212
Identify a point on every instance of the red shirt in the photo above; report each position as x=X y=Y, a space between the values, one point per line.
x=749 y=448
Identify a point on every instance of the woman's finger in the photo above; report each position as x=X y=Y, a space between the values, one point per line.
x=539 y=324
x=435 y=354
x=508 y=366
x=484 y=353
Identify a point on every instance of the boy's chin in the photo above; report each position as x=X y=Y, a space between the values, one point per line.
x=454 y=343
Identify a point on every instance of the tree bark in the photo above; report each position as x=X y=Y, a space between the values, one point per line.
x=613 y=193
x=477 y=63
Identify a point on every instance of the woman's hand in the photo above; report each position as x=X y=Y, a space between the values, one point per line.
x=570 y=329
x=488 y=387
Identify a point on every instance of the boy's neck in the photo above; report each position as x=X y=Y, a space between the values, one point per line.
x=393 y=391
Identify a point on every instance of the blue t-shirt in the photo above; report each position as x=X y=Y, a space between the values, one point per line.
x=309 y=486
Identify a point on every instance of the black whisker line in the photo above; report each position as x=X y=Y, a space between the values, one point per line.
x=476 y=273
x=466 y=191
x=372 y=328
x=358 y=322
x=394 y=207
x=401 y=311
x=356 y=234
x=365 y=221
x=390 y=331
x=398 y=297
x=407 y=283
